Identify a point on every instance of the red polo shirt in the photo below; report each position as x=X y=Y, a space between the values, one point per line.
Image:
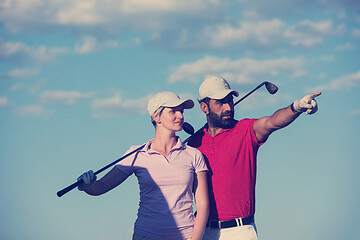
x=231 y=158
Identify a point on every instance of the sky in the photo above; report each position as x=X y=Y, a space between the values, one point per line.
x=75 y=77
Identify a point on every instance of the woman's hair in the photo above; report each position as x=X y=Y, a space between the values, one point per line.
x=158 y=112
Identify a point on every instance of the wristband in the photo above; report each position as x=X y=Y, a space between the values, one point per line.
x=293 y=110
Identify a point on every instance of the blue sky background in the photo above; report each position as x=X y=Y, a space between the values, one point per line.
x=75 y=77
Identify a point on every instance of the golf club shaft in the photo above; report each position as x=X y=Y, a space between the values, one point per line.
x=76 y=184
x=259 y=86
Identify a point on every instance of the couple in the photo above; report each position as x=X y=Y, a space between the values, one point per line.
x=218 y=166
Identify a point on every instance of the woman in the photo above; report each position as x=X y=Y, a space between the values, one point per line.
x=168 y=172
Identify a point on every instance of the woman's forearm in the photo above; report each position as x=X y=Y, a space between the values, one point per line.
x=200 y=222
x=112 y=179
x=202 y=205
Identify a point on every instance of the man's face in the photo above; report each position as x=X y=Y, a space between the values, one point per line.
x=221 y=112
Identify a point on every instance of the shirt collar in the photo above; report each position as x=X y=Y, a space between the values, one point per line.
x=205 y=129
x=179 y=145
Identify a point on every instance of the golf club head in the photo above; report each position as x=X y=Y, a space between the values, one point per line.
x=272 y=88
x=188 y=128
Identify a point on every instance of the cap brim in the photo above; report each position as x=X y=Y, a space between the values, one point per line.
x=187 y=104
x=222 y=94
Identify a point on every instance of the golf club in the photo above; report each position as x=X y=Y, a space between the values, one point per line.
x=186 y=127
x=270 y=87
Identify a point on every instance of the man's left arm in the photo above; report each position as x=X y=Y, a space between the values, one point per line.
x=264 y=126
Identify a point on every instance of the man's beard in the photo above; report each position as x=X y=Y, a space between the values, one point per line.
x=219 y=122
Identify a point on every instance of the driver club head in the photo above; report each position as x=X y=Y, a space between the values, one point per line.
x=272 y=88
x=188 y=128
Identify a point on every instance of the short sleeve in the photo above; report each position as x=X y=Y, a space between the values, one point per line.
x=251 y=132
x=200 y=164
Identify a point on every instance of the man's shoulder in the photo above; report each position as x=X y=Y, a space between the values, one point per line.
x=196 y=139
x=243 y=125
x=246 y=121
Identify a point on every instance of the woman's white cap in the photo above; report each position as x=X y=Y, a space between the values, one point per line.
x=167 y=99
x=216 y=88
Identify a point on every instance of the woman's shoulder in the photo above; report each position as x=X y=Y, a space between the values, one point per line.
x=137 y=147
x=192 y=150
x=133 y=147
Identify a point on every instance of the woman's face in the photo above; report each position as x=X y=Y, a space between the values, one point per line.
x=172 y=118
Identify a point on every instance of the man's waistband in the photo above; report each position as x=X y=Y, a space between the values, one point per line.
x=230 y=223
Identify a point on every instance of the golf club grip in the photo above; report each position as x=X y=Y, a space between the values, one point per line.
x=69 y=188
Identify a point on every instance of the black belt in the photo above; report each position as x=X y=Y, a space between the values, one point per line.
x=231 y=223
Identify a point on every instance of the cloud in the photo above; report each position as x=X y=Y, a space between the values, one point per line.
x=350 y=5
x=267 y=9
x=255 y=35
x=356 y=33
x=347 y=46
x=260 y=33
x=4 y=101
x=343 y=83
x=91 y=44
x=78 y=13
x=33 y=111
x=241 y=71
x=117 y=106
x=327 y=58
x=355 y=112
x=297 y=8
x=20 y=73
x=16 y=87
x=21 y=15
x=30 y=15
x=163 y=6
x=199 y=26
x=310 y=34
x=342 y=14
x=36 y=87
x=157 y=15
x=321 y=75
x=20 y=52
x=63 y=97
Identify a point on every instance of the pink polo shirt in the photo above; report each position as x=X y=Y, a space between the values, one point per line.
x=231 y=158
x=166 y=189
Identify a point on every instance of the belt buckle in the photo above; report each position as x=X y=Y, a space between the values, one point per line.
x=239 y=222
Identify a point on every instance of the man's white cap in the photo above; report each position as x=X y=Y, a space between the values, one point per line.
x=216 y=88
x=167 y=99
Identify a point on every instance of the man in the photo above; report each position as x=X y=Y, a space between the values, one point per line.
x=230 y=148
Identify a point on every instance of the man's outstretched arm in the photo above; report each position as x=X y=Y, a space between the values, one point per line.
x=264 y=126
